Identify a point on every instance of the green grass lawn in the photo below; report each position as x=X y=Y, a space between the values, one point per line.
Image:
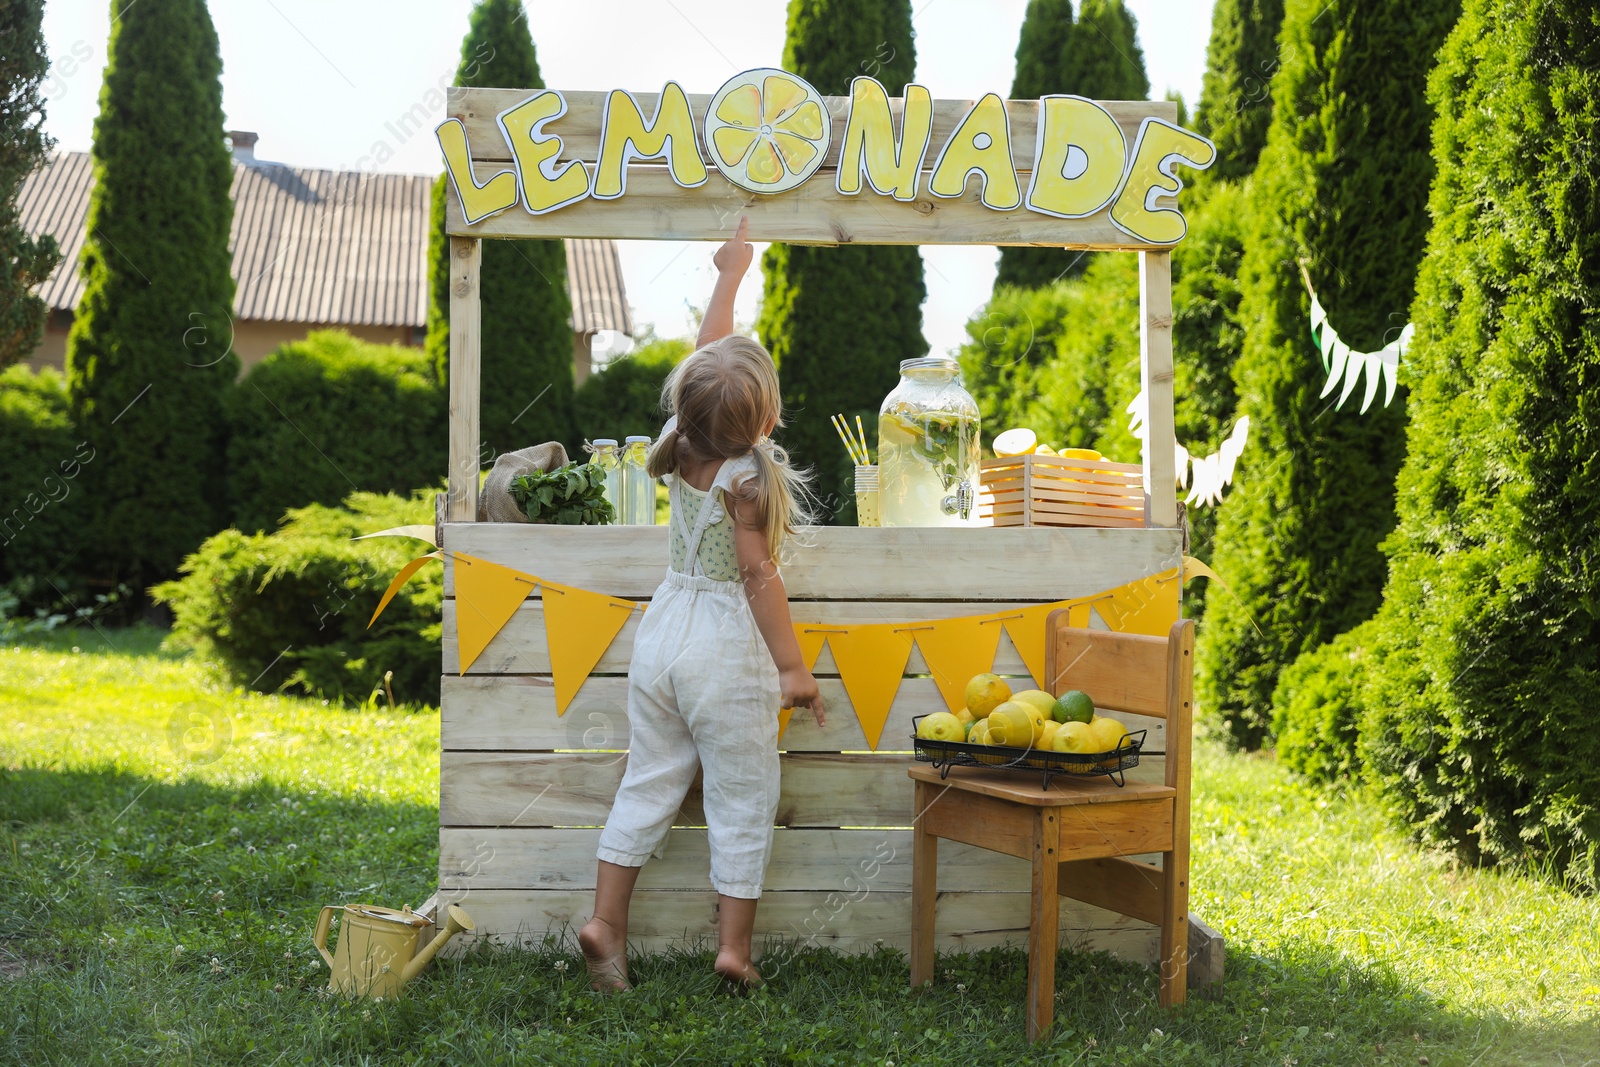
x=168 y=840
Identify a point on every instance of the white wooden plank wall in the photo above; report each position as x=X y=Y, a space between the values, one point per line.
x=525 y=792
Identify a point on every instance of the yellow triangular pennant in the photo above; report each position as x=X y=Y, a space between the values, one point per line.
x=1147 y=606
x=579 y=626
x=871 y=661
x=811 y=641
x=811 y=638
x=957 y=649
x=487 y=595
x=400 y=579
x=1026 y=629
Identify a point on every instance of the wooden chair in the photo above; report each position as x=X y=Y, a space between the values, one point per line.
x=1078 y=833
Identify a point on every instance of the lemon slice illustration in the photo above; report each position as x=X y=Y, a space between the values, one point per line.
x=767 y=130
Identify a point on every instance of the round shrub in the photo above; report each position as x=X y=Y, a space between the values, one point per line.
x=288 y=611
x=1317 y=707
x=327 y=415
x=625 y=399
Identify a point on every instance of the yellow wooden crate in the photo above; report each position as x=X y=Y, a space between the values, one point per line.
x=1056 y=491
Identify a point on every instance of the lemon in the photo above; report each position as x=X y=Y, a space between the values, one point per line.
x=1049 y=734
x=1074 y=737
x=1108 y=733
x=1044 y=450
x=1037 y=698
x=1018 y=442
x=985 y=692
x=965 y=716
x=979 y=734
x=1079 y=453
x=1073 y=706
x=1012 y=725
x=941 y=726
x=767 y=131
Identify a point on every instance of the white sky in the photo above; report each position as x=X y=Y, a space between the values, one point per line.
x=292 y=74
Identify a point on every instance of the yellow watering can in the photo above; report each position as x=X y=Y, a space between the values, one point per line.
x=377 y=951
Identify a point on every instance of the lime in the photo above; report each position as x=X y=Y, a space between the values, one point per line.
x=1073 y=706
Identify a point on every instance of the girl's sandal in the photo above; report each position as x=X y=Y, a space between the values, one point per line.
x=608 y=973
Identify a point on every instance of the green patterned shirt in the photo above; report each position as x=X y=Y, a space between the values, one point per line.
x=717 y=560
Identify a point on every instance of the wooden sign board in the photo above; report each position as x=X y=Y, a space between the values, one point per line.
x=808 y=169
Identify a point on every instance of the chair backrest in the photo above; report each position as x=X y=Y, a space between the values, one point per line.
x=1130 y=673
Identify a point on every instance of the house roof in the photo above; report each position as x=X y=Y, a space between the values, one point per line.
x=316 y=246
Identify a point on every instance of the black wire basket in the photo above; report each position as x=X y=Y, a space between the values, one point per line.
x=947 y=754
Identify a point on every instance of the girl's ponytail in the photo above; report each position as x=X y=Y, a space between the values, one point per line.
x=663 y=458
x=780 y=492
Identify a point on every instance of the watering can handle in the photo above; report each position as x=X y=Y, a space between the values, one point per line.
x=320 y=938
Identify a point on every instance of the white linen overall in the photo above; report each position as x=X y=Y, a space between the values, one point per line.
x=703 y=692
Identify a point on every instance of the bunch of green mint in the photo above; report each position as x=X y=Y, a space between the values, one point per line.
x=573 y=495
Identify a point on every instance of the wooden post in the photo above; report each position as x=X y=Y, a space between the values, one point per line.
x=1155 y=377
x=924 y=886
x=1174 y=953
x=466 y=255
x=1044 y=923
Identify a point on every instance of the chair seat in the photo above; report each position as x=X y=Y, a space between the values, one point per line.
x=1064 y=791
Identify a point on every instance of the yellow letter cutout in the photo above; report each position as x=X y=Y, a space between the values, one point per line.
x=869 y=143
x=478 y=202
x=624 y=136
x=1150 y=178
x=1079 y=158
x=981 y=143
x=545 y=186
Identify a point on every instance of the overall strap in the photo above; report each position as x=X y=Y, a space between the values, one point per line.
x=712 y=510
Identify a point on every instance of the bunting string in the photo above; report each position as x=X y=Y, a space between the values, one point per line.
x=871 y=658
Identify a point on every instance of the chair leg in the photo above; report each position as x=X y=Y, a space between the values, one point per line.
x=924 y=891
x=1044 y=925
x=1175 y=926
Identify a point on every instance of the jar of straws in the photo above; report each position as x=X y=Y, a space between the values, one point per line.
x=866 y=471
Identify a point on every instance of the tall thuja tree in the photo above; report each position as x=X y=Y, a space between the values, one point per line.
x=840 y=320
x=1098 y=58
x=144 y=372
x=1236 y=93
x=1480 y=721
x=526 y=371
x=24 y=261
x=1342 y=187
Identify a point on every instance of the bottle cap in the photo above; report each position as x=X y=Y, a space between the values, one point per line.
x=638 y=440
x=602 y=442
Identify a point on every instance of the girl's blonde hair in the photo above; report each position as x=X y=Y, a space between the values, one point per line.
x=724 y=396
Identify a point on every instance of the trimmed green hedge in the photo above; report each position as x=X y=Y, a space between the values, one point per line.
x=1482 y=730
x=1318 y=705
x=625 y=399
x=327 y=415
x=288 y=611
x=40 y=489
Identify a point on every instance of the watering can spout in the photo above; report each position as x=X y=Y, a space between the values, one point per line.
x=457 y=921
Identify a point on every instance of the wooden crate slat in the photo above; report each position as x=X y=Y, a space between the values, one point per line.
x=826 y=859
x=579 y=128
x=910 y=563
x=520 y=647
x=1051 y=491
x=576 y=789
x=663 y=919
x=516 y=713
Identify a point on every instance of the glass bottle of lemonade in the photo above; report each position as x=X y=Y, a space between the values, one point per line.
x=928 y=448
x=606 y=458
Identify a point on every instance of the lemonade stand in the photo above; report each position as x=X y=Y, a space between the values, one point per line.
x=539 y=620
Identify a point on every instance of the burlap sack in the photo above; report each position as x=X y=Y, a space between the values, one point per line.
x=495 y=503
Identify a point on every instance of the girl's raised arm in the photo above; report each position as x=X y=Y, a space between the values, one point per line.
x=732 y=260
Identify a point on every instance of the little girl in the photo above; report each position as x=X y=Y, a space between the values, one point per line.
x=716 y=656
